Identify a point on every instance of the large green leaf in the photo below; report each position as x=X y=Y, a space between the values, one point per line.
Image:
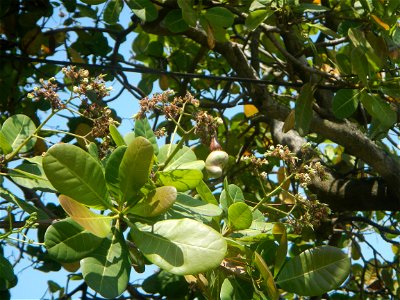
x=219 y=16
x=303 y=109
x=99 y=225
x=268 y=280
x=112 y=11
x=174 y=21
x=31 y=176
x=280 y=235
x=67 y=241
x=379 y=109
x=255 y=18
x=135 y=167
x=229 y=195
x=193 y=206
x=183 y=156
x=143 y=128
x=239 y=216
x=116 y=136
x=188 y=13
x=16 y=129
x=112 y=170
x=75 y=173
x=315 y=271
x=156 y=202
x=107 y=268
x=205 y=193
x=144 y=9
x=182 y=180
x=5 y=146
x=359 y=64
x=344 y=103
x=182 y=246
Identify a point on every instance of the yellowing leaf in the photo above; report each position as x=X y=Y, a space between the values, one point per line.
x=97 y=224
x=250 y=110
x=380 y=22
x=75 y=56
x=289 y=122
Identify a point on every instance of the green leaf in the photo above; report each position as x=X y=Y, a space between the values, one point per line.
x=31 y=176
x=303 y=110
x=239 y=216
x=255 y=18
x=182 y=180
x=116 y=136
x=156 y=202
x=379 y=109
x=188 y=13
x=107 y=268
x=76 y=174
x=182 y=246
x=16 y=129
x=174 y=21
x=112 y=11
x=268 y=279
x=229 y=195
x=343 y=63
x=195 y=206
x=99 y=225
x=359 y=65
x=67 y=241
x=315 y=271
x=279 y=232
x=7 y=270
x=310 y=7
x=144 y=9
x=5 y=146
x=184 y=155
x=234 y=288
x=24 y=205
x=112 y=170
x=205 y=193
x=219 y=16
x=143 y=128
x=135 y=167
x=344 y=103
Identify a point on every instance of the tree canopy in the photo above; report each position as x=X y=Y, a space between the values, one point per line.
x=258 y=170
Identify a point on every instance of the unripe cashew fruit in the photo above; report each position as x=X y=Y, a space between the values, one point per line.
x=216 y=163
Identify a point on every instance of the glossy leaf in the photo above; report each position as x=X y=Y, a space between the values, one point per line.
x=5 y=146
x=279 y=232
x=116 y=136
x=135 y=166
x=379 y=109
x=107 y=268
x=182 y=180
x=112 y=170
x=255 y=18
x=344 y=103
x=143 y=128
x=188 y=13
x=67 y=241
x=144 y=9
x=16 y=129
x=229 y=195
x=315 y=271
x=268 y=279
x=174 y=21
x=156 y=202
x=112 y=11
x=239 y=216
x=182 y=246
x=219 y=16
x=205 y=193
x=195 y=206
x=184 y=155
x=76 y=174
x=31 y=176
x=96 y=224
x=303 y=109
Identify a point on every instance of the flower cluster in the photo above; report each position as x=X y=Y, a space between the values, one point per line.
x=164 y=103
x=206 y=126
x=93 y=88
x=283 y=153
x=308 y=171
x=47 y=91
x=312 y=214
x=101 y=117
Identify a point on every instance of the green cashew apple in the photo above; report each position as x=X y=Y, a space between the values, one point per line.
x=216 y=163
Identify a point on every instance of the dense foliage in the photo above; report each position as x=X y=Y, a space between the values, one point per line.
x=258 y=173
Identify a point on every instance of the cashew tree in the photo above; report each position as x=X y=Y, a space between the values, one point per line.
x=262 y=157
